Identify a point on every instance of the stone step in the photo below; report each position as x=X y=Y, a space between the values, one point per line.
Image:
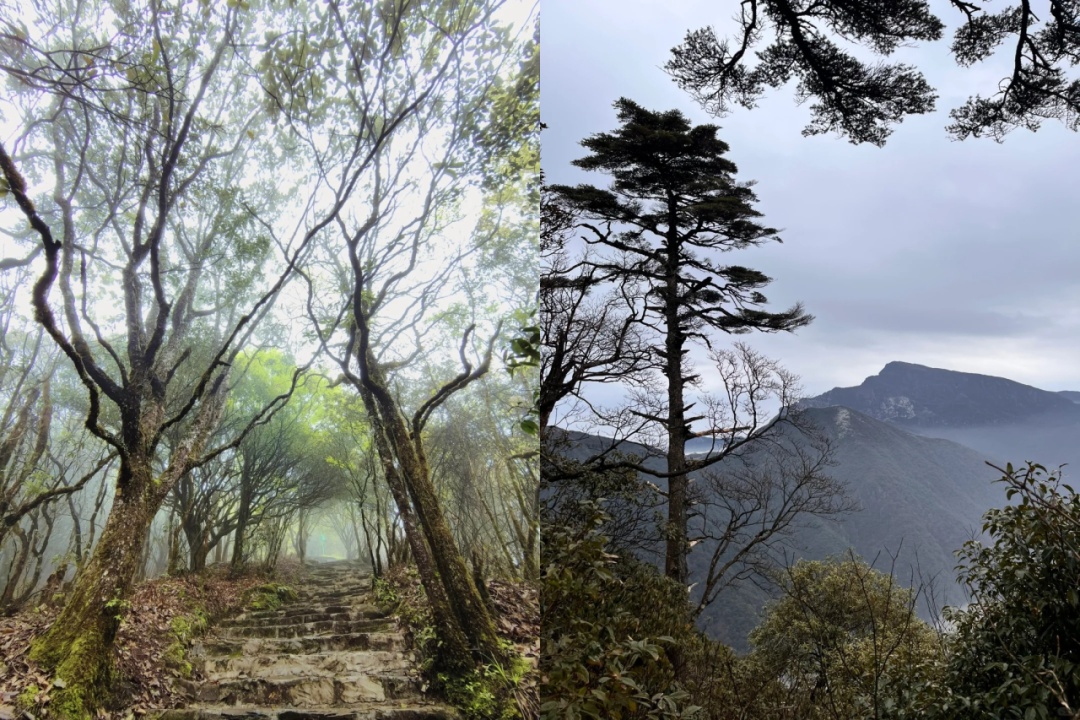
x=351 y=565
x=334 y=595
x=297 y=609
x=316 y=644
x=309 y=691
x=306 y=614
x=320 y=627
x=339 y=573
x=337 y=582
x=326 y=585
x=367 y=711
x=331 y=654
x=320 y=579
x=296 y=619
x=332 y=664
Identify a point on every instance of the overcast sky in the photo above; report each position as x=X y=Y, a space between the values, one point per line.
x=961 y=255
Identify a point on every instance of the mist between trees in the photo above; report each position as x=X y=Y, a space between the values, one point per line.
x=269 y=267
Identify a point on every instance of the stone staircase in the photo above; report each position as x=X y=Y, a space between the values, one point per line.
x=329 y=655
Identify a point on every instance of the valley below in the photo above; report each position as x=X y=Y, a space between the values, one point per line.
x=912 y=448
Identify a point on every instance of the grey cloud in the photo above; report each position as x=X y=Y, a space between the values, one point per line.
x=927 y=250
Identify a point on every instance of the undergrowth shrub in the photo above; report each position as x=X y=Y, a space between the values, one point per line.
x=608 y=626
x=268 y=596
x=488 y=691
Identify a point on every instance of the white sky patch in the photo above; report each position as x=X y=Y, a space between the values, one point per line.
x=517 y=13
x=959 y=255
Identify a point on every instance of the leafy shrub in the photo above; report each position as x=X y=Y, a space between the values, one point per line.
x=608 y=623
x=184 y=628
x=486 y=692
x=269 y=596
x=386 y=598
x=1015 y=652
x=842 y=642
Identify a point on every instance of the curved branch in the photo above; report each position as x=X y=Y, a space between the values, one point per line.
x=457 y=383
x=43 y=313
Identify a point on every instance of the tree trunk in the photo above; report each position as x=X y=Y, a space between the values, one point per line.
x=197 y=556
x=455 y=651
x=242 y=516
x=39 y=557
x=144 y=557
x=78 y=645
x=76 y=530
x=678 y=545
x=374 y=549
x=464 y=598
x=195 y=532
x=300 y=543
x=18 y=567
x=356 y=536
x=393 y=442
x=532 y=563
x=99 y=503
x=173 y=567
x=389 y=532
x=674 y=348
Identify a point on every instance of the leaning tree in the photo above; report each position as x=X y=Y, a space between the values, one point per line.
x=428 y=109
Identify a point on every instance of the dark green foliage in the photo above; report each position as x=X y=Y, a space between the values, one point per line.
x=571 y=493
x=861 y=100
x=524 y=352
x=386 y=598
x=606 y=623
x=1016 y=649
x=843 y=641
x=184 y=629
x=486 y=691
x=673 y=183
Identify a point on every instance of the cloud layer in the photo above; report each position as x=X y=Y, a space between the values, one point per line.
x=964 y=255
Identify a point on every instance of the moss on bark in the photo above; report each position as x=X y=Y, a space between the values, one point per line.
x=78 y=646
x=88 y=673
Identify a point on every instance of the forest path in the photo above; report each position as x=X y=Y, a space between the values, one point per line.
x=329 y=655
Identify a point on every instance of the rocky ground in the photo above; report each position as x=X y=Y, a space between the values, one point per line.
x=149 y=652
x=330 y=654
x=327 y=654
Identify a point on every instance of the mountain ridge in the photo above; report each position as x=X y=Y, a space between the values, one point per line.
x=921 y=396
x=999 y=417
x=920 y=499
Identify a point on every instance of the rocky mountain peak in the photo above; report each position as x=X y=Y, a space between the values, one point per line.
x=916 y=395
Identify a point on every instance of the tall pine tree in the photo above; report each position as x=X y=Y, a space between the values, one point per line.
x=672 y=211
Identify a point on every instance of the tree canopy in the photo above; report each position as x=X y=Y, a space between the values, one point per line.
x=863 y=100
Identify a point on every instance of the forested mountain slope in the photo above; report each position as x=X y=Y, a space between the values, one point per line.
x=917 y=498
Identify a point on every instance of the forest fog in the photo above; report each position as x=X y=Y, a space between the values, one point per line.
x=268 y=291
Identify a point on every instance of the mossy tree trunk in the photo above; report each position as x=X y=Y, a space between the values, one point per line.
x=78 y=645
x=401 y=450
x=243 y=514
x=454 y=653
